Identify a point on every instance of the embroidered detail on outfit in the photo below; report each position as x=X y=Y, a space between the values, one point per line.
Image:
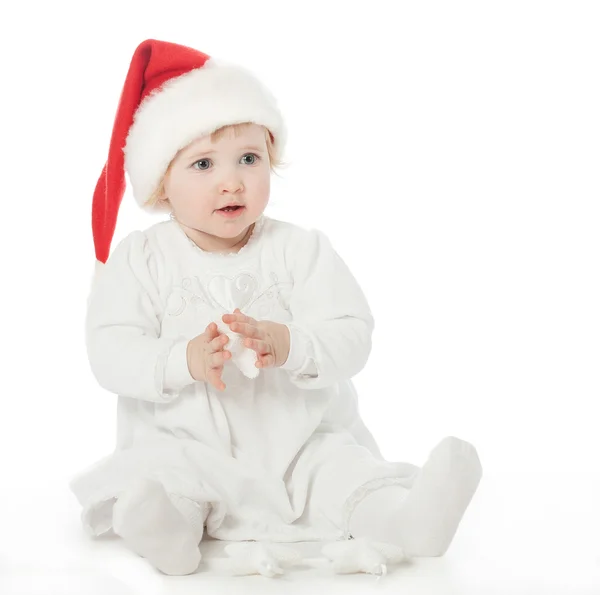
x=360 y=493
x=190 y=291
x=234 y=292
x=223 y=293
x=276 y=287
x=264 y=303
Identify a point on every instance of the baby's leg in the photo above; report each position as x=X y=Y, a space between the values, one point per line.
x=424 y=519
x=153 y=527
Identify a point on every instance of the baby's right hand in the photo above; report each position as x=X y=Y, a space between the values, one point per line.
x=206 y=356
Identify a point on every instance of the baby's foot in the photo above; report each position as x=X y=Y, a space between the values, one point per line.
x=152 y=527
x=433 y=508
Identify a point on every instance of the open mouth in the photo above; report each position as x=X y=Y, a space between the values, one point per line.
x=231 y=211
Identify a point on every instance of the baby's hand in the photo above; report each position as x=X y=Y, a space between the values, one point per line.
x=270 y=340
x=206 y=356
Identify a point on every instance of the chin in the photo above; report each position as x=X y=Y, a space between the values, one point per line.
x=231 y=230
x=232 y=233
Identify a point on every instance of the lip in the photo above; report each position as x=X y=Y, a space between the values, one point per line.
x=231 y=214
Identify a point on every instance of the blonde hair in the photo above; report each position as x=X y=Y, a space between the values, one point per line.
x=155 y=200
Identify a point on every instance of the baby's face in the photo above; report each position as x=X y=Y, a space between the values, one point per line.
x=207 y=176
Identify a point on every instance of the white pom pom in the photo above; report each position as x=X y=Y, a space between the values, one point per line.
x=243 y=357
x=362 y=555
x=260 y=558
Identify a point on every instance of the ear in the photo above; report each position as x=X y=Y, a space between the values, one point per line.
x=162 y=198
x=163 y=204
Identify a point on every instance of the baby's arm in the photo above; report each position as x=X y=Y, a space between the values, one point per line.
x=331 y=328
x=126 y=353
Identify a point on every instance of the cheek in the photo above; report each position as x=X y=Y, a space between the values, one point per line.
x=187 y=193
x=263 y=186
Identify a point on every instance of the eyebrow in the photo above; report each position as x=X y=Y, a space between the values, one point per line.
x=247 y=148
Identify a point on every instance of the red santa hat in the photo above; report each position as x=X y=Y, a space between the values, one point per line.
x=172 y=95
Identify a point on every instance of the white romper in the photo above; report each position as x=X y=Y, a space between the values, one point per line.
x=283 y=457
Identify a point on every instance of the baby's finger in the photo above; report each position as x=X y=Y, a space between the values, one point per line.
x=214 y=377
x=212 y=330
x=237 y=316
x=218 y=342
x=244 y=317
x=217 y=359
x=261 y=347
x=265 y=361
x=248 y=330
x=247 y=319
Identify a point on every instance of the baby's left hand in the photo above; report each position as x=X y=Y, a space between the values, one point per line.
x=270 y=340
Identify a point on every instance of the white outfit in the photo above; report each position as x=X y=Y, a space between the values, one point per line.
x=281 y=457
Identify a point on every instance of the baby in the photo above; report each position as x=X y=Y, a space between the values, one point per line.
x=231 y=339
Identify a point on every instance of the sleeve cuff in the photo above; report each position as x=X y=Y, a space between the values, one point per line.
x=177 y=373
x=300 y=358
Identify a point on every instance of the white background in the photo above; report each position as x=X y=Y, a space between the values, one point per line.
x=450 y=151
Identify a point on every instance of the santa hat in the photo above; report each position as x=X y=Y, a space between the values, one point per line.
x=172 y=95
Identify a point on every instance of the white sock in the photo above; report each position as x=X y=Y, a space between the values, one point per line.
x=149 y=524
x=424 y=519
x=194 y=513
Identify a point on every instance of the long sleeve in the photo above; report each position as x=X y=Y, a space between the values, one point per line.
x=126 y=353
x=331 y=323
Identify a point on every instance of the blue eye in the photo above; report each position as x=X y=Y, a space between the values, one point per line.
x=201 y=161
x=255 y=158
x=205 y=163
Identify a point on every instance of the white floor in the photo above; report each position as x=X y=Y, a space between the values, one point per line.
x=536 y=534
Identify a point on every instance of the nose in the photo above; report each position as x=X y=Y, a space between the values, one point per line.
x=232 y=185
